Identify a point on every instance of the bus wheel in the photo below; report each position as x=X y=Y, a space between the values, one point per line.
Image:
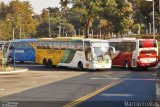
x=126 y=66
x=45 y=62
x=80 y=65
x=50 y=63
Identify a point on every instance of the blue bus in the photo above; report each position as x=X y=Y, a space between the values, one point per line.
x=25 y=50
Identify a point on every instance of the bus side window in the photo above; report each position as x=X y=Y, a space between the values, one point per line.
x=57 y=45
x=50 y=45
x=39 y=45
x=79 y=45
x=64 y=45
x=72 y=45
x=44 y=45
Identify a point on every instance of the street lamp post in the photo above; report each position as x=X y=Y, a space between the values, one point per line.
x=13 y=33
x=63 y=31
x=59 y=29
x=92 y=33
x=100 y=33
x=79 y=32
x=149 y=28
x=153 y=19
x=20 y=32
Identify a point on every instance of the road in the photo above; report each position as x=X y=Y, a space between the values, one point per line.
x=57 y=87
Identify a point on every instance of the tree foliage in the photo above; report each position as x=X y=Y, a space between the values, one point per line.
x=105 y=17
x=19 y=16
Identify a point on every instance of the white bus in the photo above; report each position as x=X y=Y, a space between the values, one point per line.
x=74 y=52
x=132 y=52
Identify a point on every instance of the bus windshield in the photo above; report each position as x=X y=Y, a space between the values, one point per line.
x=99 y=51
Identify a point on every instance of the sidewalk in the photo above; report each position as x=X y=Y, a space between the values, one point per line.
x=11 y=70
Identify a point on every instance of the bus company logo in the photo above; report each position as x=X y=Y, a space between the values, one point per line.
x=53 y=52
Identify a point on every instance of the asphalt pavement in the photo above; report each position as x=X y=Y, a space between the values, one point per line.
x=103 y=88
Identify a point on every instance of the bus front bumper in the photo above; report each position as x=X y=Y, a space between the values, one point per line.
x=100 y=66
x=153 y=64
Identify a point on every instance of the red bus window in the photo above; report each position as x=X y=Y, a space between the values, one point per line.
x=147 y=43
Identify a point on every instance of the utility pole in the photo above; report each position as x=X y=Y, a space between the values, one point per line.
x=100 y=32
x=153 y=22
x=59 y=30
x=13 y=33
x=150 y=28
x=20 y=33
x=49 y=25
x=92 y=33
x=63 y=31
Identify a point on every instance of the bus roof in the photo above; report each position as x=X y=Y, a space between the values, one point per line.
x=126 y=39
x=70 y=39
x=23 y=40
x=61 y=38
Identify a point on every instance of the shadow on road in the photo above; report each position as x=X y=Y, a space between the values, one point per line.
x=36 y=67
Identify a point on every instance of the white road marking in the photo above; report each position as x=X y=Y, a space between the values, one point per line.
x=124 y=79
x=120 y=95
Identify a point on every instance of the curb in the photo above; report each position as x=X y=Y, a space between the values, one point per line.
x=17 y=71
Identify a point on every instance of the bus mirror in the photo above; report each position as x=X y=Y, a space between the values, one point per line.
x=112 y=50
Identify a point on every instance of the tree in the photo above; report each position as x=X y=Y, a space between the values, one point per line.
x=19 y=15
x=88 y=12
x=144 y=13
x=55 y=20
x=5 y=31
x=119 y=13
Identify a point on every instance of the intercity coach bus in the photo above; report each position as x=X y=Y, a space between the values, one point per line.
x=74 y=52
x=24 y=50
x=132 y=52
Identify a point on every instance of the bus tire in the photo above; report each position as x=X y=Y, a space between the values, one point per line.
x=126 y=65
x=45 y=62
x=80 y=65
x=50 y=63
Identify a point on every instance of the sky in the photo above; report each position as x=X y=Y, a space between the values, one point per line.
x=38 y=5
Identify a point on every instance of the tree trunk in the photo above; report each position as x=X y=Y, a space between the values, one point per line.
x=87 y=25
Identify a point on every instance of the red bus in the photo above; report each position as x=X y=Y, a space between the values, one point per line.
x=132 y=52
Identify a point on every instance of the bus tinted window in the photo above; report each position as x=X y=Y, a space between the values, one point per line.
x=57 y=45
x=64 y=45
x=50 y=45
x=147 y=43
x=41 y=45
x=116 y=45
x=79 y=45
x=125 y=46
x=72 y=45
